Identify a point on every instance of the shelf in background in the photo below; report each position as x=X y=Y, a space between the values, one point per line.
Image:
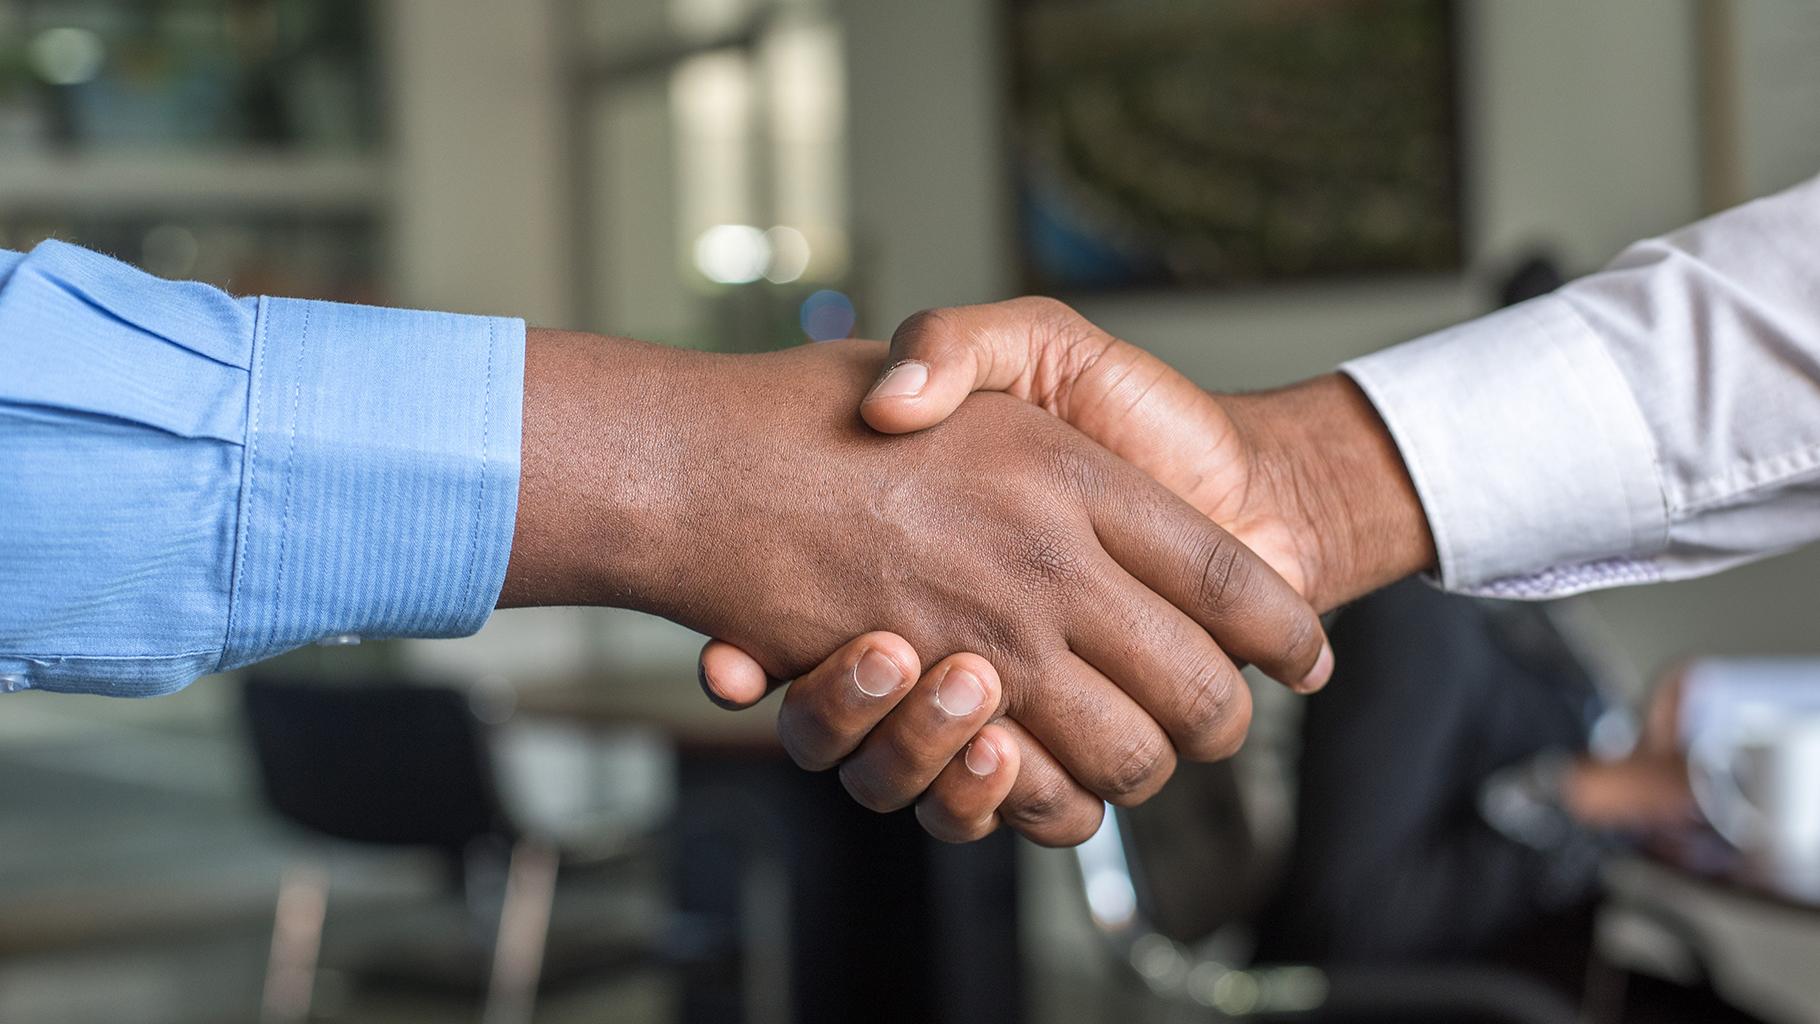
x=129 y=182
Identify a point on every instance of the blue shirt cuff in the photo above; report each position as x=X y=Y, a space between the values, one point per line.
x=380 y=483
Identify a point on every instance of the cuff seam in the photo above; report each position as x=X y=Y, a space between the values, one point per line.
x=1657 y=541
x=249 y=465
x=486 y=436
x=290 y=455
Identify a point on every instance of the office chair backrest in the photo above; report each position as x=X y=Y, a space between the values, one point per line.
x=382 y=762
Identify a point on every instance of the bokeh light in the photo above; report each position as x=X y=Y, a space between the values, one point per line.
x=732 y=254
x=828 y=315
x=67 y=56
x=170 y=250
x=789 y=254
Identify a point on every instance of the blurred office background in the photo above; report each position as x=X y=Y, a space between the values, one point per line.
x=746 y=174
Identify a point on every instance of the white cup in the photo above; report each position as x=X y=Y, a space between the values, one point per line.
x=1719 y=690
x=1758 y=781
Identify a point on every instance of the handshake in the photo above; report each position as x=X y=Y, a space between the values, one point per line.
x=1030 y=601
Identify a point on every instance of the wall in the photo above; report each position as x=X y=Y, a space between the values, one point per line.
x=1779 y=93
x=477 y=144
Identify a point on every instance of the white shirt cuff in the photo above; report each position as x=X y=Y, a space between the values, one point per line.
x=1534 y=465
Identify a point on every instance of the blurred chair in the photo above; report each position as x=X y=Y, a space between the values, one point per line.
x=406 y=765
x=1161 y=882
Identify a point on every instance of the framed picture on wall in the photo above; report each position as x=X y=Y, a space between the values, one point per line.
x=1169 y=144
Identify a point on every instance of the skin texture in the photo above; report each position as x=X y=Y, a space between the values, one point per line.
x=1306 y=476
x=829 y=716
x=742 y=496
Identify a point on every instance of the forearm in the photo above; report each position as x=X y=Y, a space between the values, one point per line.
x=666 y=480
x=603 y=460
x=1336 y=473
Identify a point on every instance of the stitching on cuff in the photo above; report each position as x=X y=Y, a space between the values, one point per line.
x=1660 y=540
x=249 y=467
x=58 y=659
x=290 y=458
x=480 y=501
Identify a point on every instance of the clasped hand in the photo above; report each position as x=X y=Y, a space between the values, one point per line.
x=1036 y=738
x=1069 y=570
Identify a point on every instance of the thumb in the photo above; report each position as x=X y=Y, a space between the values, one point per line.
x=940 y=356
x=732 y=678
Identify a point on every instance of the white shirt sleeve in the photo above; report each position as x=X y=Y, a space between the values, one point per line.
x=1657 y=420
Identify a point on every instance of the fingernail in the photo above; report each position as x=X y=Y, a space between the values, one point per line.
x=876 y=675
x=901 y=381
x=960 y=693
x=981 y=759
x=1321 y=672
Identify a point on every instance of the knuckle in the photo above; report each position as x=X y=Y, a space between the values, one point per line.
x=1070 y=344
x=1225 y=576
x=1205 y=713
x=1004 y=640
x=903 y=750
x=1050 y=313
x=948 y=825
x=808 y=734
x=1225 y=738
x=1302 y=639
x=1145 y=763
x=923 y=327
x=936 y=820
x=1070 y=465
x=1074 y=832
x=866 y=790
x=806 y=757
x=1043 y=804
x=1041 y=304
x=1047 y=557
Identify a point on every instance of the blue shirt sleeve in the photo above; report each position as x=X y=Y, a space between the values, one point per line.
x=191 y=482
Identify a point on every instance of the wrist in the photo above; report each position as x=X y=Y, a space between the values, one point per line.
x=1329 y=465
x=601 y=472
